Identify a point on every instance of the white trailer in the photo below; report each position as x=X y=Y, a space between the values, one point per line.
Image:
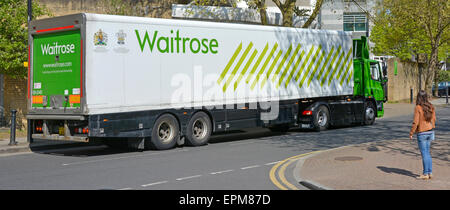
x=153 y=80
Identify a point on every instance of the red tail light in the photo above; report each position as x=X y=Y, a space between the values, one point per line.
x=307 y=112
x=84 y=130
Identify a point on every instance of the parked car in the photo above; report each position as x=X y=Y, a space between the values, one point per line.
x=442 y=86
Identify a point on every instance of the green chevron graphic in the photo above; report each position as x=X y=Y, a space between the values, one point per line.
x=330 y=67
x=245 y=69
x=304 y=63
x=274 y=48
x=347 y=70
x=310 y=66
x=257 y=63
x=326 y=63
x=351 y=75
x=341 y=70
x=288 y=80
x=263 y=82
x=288 y=53
x=317 y=67
x=335 y=68
x=283 y=74
x=320 y=66
x=236 y=68
x=224 y=72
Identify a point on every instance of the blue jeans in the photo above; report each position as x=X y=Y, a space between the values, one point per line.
x=424 y=140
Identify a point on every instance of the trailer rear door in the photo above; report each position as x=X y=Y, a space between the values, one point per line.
x=57 y=76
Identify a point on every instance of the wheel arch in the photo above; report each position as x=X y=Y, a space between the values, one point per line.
x=167 y=112
x=207 y=112
x=313 y=107
x=372 y=100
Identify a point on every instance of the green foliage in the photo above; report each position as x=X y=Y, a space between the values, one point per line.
x=443 y=76
x=14 y=35
x=404 y=28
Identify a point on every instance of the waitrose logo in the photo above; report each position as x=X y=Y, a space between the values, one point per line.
x=176 y=43
x=56 y=49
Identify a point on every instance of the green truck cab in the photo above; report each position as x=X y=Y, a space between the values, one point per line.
x=369 y=79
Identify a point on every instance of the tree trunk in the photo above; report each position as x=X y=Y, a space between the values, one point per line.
x=288 y=14
x=263 y=12
x=434 y=62
x=314 y=14
x=431 y=69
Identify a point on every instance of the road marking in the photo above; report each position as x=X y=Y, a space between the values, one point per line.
x=283 y=178
x=273 y=163
x=119 y=158
x=272 y=174
x=188 y=177
x=128 y=188
x=249 y=167
x=221 y=172
x=155 y=183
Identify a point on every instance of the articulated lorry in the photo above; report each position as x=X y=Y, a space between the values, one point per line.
x=156 y=83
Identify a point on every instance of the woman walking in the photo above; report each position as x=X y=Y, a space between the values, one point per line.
x=423 y=124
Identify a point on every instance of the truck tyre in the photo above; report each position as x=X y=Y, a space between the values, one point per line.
x=369 y=113
x=199 y=129
x=165 y=133
x=321 y=120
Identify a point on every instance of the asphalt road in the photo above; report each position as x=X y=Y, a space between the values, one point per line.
x=235 y=161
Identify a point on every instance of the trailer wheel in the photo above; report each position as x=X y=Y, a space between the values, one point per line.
x=321 y=118
x=369 y=113
x=199 y=129
x=165 y=133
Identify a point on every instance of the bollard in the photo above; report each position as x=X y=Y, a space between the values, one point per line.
x=12 y=140
x=411 y=94
x=446 y=95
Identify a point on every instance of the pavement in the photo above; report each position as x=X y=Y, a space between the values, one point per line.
x=387 y=165
x=381 y=165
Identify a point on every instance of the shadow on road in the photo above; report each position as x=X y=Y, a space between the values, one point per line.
x=296 y=139
x=397 y=171
x=85 y=150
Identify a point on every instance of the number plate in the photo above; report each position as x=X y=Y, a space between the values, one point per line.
x=306 y=126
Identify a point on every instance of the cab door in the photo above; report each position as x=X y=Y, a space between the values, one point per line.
x=374 y=87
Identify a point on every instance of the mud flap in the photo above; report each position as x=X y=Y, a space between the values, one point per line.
x=135 y=143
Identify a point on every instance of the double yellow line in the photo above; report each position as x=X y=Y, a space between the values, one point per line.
x=285 y=185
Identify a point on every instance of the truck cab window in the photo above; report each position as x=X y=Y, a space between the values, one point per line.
x=375 y=71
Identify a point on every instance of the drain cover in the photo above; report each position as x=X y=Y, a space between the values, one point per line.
x=348 y=158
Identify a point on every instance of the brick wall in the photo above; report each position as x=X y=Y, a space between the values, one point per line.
x=400 y=84
x=157 y=8
x=15 y=97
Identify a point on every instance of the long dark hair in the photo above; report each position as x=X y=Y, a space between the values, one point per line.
x=427 y=107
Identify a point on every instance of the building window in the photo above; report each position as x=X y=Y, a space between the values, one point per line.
x=355 y=22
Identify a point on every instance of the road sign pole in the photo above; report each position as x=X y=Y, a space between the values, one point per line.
x=30 y=11
x=446 y=95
